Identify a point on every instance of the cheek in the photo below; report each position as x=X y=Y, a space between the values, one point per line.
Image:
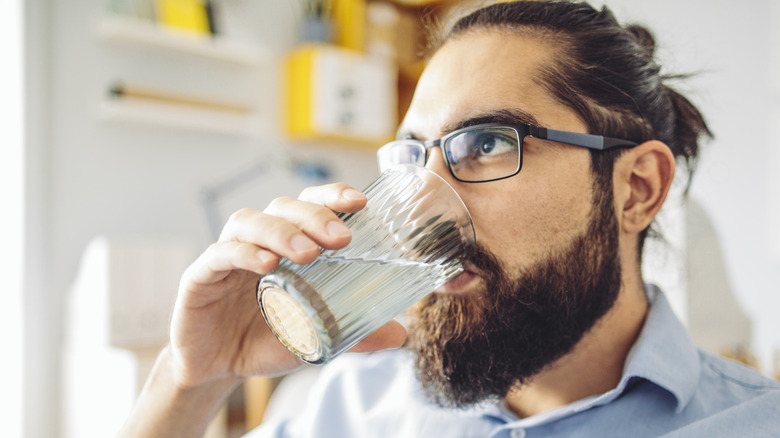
x=526 y=223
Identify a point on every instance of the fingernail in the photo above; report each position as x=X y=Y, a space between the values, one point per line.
x=337 y=229
x=353 y=195
x=265 y=256
x=301 y=243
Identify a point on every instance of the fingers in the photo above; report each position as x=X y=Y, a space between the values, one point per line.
x=296 y=228
x=223 y=257
x=281 y=236
x=390 y=335
x=338 y=197
x=291 y=228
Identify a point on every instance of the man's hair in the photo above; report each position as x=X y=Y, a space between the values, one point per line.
x=605 y=72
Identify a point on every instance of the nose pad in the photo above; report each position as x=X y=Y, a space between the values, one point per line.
x=435 y=163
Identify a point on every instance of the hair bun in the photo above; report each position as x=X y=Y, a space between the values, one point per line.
x=643 y=37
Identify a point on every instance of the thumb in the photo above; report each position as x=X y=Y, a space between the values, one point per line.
x=390 y=335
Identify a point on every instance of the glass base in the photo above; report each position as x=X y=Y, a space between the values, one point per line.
x=290 y=323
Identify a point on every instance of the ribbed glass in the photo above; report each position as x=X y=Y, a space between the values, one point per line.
x=412 y=236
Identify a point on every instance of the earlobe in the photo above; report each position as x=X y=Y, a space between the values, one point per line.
x=646 y=173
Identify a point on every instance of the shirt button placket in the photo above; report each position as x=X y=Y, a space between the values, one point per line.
x=517 y=433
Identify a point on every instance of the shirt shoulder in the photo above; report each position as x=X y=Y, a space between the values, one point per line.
x=731 y=382
x=740 y=401
x=732 y=400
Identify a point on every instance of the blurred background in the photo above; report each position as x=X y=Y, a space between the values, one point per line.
x=131 y=129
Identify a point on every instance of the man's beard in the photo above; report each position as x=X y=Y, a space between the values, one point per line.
x=477 y=347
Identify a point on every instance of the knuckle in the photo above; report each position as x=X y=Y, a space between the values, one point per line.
x=281 y=230
x=339 y=186
x=240 y=215
x=213 y=249
x=232 y=226
x=308 y=192
x=323 y=215
x=212 y=252
x=275 y=226
x=321 y=195
x=278 y=204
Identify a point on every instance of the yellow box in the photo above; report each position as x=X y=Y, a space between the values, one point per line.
x=333 y=93
x=349 y=16
x=187 y=15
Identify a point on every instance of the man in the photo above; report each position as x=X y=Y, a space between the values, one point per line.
x=550 y=331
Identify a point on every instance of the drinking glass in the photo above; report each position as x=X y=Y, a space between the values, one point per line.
x=412 y=236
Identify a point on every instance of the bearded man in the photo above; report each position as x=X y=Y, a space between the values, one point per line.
x=550 y=330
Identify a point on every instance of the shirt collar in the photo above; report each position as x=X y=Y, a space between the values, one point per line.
x=664 y=353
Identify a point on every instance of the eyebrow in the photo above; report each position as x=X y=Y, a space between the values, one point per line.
x=507 y=115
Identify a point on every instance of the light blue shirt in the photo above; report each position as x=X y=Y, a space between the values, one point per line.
x=669 y=387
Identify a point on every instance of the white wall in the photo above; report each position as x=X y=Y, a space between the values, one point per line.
x=41 y=363
x=86 y=177
x=730 y=48
x=11 y=221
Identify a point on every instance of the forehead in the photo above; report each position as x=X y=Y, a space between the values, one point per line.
x=484 y=72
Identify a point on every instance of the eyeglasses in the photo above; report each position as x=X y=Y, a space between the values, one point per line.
x=487 y=152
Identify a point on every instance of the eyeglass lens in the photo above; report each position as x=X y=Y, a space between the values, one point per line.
x=480 y=154
x=400 y=152
x=483 y=153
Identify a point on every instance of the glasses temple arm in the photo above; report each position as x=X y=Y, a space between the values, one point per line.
x=589 y=141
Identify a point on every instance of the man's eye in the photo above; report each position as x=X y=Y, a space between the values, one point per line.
x=481 y=146
x=493 y=144
x=486 y=145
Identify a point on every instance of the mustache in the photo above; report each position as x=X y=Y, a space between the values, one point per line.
x=484 y=263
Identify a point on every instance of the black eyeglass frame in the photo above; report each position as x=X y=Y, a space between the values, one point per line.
x=589 y=141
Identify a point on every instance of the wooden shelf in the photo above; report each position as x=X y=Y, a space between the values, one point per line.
x=138 y=111
x=135 y=32
x=419 y=3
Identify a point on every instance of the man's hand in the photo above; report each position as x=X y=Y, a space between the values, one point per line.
x=218 y=335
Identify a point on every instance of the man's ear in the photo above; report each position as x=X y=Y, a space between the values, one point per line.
x=642 y=178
